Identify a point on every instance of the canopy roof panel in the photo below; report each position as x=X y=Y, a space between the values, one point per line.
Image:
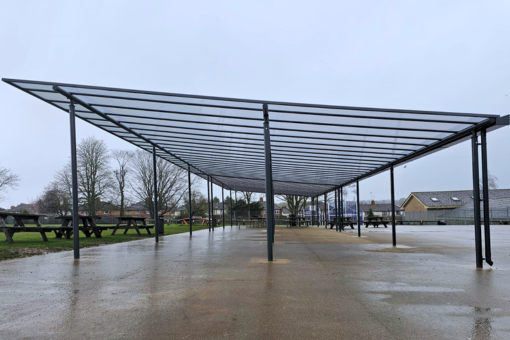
x=314 y=148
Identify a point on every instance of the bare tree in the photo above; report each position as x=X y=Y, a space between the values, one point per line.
x=63 y=180
x=94 y=174
x=247 y=196
x=55 y=199
x=8 y=180
x=493 y=182
x=198 y=203
x=122 y=157
x=172 y=182
x=295 y=204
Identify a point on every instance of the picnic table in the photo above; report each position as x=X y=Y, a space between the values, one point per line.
x=186 y=220
x=19 y=225
x=297 y=221
x=88 y=226
x=375 y=221
x=343 y=222
x=132 y=222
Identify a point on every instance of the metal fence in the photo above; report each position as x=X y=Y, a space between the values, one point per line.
x=455 y=216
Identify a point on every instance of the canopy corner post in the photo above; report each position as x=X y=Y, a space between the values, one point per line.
x=325 y=212
x=231 y=219
x=190 y=212
x=208 y=205
x=342 y=227
x=312 y=208
x=476 y=200
x=336 y=210
x=74 y=179
x=269 y=184
x=155 y=178
x=317 y=211
x=486 y=200
x=223 y=206
x=357 y=208
x=212 y=206
x=393 y=222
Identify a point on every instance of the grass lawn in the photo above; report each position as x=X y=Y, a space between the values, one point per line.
x=28 y=244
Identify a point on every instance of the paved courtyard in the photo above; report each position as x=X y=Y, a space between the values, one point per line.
x=322 y=285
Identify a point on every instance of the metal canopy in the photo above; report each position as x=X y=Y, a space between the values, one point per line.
x=314 y=148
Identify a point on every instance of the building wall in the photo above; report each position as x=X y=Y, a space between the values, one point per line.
x=414 y=205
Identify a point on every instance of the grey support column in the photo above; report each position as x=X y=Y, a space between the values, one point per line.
x=476 y=201
x=74 y=170
x=357 y=208
x=317 y=210
x=155 y=178
x=212 y=204
x=393 y=223
x=342 y=208
x=273 y=226
x=325 y=212
x=208 y=205
x=189 y=204
x=231 y=222
x=336 y=210
x=269 y=180
x=312 y=208
x=223 y=205
x=486 y=199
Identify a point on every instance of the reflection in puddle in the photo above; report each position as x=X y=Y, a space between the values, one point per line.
x=483 y=324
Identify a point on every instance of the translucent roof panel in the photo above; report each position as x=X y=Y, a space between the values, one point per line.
x=314 y=148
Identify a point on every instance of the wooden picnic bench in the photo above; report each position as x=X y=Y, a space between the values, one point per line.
x=375 y=221
x=343 y=222
x=297 y=222
x=420 y=222
x=88 y=227
x=19 y=225
x=186 y=220
x=132 y=222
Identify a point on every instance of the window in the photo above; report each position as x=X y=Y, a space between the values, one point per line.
x=148 y=212
x=434 y=199
x=106 y=212
x=137 y=212
x=455 y=199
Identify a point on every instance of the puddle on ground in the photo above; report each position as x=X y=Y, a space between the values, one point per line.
x=401 y=249
x=482 y=325
x=381 y=286
x=275 y=261
x=486 y=268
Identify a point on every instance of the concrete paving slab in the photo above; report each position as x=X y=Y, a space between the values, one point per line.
x=323 y=285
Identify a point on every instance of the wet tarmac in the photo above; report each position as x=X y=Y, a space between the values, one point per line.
x=323 y=285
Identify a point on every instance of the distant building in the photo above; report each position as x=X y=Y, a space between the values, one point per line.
x=462 y=199
x=22 y=207
x=378 y=209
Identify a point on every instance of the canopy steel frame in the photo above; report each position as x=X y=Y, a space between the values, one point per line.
x=155 y=186
x=486 y=199
x=190 y=212
x=231 y=153
x=74 y=179
x=240 y=149
x=476 y=201
x=310 y=150
x=269 y=185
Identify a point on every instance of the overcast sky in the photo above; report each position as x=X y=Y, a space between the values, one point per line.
x=425 y=55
